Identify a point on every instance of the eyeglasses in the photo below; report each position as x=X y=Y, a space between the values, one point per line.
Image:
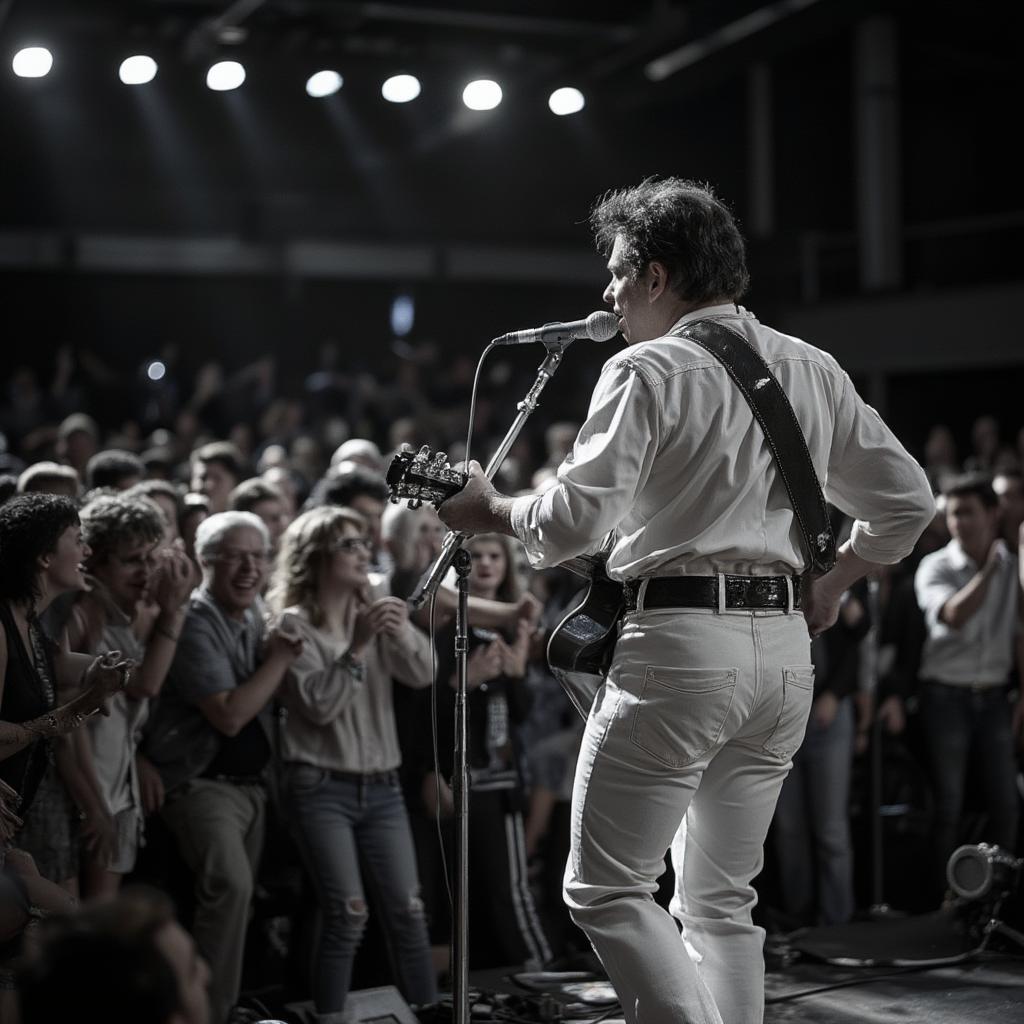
x=233 y=558
x=350 y=544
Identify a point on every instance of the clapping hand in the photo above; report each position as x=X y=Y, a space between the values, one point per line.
x=107 y=675
x=283 y=642
x=387 y=615
x=484 y=664
x=173 y=580
x=514 y=656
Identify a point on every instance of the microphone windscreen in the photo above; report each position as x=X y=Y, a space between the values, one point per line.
x=602 y=325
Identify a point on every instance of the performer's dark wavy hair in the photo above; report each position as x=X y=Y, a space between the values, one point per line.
x=682 y=225
x=30 y=526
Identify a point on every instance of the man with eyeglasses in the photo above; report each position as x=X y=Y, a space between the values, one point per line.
x=211 y=737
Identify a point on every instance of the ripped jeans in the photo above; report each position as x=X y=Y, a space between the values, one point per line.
x=336 y=819
x=687 y=746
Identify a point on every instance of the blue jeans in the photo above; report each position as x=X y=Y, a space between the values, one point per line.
x=812 y=825
x=336 y=818
x=959 y=725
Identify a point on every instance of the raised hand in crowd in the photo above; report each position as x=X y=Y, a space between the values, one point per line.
x=106 y=675
x=174 y=578
x=281 y=642
x=528 y=609
x=483 y=665
x=387 y=615
x=514 y=656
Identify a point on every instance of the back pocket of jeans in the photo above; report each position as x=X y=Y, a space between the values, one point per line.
x=797 y=695
x=681 y=712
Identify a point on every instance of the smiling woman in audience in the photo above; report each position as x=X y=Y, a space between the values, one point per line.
x=340 y=748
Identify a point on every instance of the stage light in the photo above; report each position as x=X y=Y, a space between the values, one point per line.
x=137 y=70
x=400 y=88
x=566 y=100
x=324 y=83
x=32 y=62
x=483 y=94
x=225 y=75
x=156 y=370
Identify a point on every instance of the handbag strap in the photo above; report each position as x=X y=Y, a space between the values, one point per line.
x=786 y=441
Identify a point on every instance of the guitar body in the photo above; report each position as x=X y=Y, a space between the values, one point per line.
x=581 y=647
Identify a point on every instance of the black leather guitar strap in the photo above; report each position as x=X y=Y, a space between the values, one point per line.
x=786 y=440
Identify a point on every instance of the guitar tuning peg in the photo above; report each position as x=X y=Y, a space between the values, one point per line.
x=424 y=452
x=440 y=459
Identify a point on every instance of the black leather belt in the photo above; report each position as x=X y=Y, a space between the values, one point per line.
x=703 y=592
x=239 y=780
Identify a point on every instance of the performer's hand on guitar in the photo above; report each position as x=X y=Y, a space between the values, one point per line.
x=472 y=510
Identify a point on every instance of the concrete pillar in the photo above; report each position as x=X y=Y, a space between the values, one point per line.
x=878 y=157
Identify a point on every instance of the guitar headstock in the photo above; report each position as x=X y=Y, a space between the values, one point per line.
x=423 y=476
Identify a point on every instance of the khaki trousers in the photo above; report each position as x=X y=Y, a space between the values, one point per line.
x=219 y=830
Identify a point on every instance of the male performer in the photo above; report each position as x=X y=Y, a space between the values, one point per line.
x=705 y=704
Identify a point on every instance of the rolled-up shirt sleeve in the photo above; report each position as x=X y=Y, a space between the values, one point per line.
x=874 y=479
x=598 y=483
x=935 y=582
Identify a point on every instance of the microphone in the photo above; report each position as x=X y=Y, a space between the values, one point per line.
x=599 y=326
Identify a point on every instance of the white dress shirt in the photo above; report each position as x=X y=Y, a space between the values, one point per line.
x=673 y=461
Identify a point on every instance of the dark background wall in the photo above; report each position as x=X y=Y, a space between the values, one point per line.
x=483 y=215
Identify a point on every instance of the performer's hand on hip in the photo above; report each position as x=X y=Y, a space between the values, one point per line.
x=820 y=604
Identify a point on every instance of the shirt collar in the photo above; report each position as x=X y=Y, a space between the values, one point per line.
x=721 y=309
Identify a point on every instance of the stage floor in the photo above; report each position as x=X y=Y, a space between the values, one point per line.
x=986 y=990
x=983 y=991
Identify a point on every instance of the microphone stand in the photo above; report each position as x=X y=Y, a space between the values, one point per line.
x=452 y=552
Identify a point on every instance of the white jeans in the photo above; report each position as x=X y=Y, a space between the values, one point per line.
x=687 y=745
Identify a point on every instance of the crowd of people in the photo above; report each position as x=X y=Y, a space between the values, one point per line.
x=212 y=684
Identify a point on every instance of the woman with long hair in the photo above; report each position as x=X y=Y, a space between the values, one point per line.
x=340 y=750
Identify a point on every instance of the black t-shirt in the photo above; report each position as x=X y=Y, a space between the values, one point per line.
x=494 y=709
x=244 y=755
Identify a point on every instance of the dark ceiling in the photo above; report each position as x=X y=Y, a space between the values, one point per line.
x=86 y=153
x=81 y=154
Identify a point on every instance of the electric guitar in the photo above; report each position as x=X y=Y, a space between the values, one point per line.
x=581 y=646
